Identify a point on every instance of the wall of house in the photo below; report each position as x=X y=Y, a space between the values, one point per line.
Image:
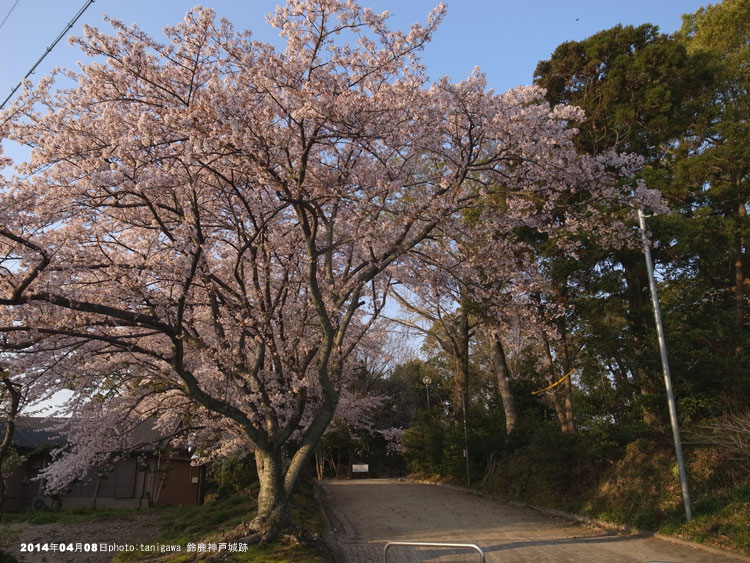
x=133 y=483
x=127 y=486
x=20 y=488
x=178 y=483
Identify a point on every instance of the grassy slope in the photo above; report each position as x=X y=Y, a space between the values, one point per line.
x=640 y=489
x=210 y=522
x=214 y=520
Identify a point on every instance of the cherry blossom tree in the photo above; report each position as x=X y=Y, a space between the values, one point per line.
x=483 y=273
x=206 y=228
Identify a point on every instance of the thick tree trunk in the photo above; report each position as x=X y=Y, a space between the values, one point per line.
x=562 y=409
x=274 y=508
x=502 y=373
x=279 y=478
x=566 y=387
x=14 y=392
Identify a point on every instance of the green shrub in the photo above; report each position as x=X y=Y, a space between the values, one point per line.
x=425 y=444
x=229 y=476
x=435 y=444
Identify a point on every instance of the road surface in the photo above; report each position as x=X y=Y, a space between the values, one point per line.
x=366 y=514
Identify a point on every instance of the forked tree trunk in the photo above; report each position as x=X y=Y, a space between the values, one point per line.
x=274 y=509
x=279 y=476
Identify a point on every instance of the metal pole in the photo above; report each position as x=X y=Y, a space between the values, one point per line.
x=427 y=380
x=473 y=546
x=465 y=396
x=665 y=366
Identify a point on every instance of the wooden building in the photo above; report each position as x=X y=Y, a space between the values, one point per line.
x=152 y=475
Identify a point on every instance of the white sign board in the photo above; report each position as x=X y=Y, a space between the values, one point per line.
x=360 y=468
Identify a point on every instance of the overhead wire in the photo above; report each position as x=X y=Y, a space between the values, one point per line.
x=13 y=7
x=71 y=23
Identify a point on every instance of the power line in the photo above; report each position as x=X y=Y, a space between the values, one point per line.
x=49 y=49
x=13 y=7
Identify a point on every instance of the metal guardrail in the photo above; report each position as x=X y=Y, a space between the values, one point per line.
x=432 y=544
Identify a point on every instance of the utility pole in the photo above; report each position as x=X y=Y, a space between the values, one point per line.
x=465 y=397
x=665 y=367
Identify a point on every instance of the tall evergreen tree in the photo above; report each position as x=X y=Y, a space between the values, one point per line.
x=642 y=92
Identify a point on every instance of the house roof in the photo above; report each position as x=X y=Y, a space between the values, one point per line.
x=33 y=432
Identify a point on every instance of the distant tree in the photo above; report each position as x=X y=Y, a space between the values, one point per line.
x=436 y=306
x=717 y=166
x=642 y=92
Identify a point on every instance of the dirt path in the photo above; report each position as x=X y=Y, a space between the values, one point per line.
x=366 y=514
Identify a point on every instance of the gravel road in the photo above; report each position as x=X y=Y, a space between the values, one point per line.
x=366 y=514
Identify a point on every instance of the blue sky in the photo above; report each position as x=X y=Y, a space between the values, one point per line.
x=504 y=38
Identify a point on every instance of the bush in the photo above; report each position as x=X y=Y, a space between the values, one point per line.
x=230 y=476
x=543 y=466
x=435 y=444
x=425 y=444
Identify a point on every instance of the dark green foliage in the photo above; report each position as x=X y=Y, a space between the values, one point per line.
x=544 y=467
x=709 y=505
x=635 y=84
x=406 y=388
x=675 y=101
x=229 y=476
x=434 y=445
x=426 y=447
